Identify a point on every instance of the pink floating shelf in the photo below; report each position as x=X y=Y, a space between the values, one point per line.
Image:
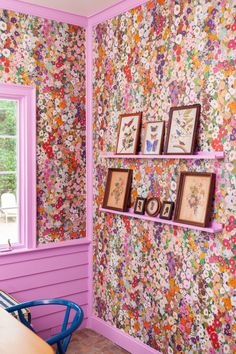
x=199 y=155
x=214 y=228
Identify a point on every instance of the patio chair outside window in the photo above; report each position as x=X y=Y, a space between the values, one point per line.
x=8 y=206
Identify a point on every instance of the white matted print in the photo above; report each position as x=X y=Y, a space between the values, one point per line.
x=128 y=135
x=154 y=136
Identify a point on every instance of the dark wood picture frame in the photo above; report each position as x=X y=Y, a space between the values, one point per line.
x=126 y=193
x=136 y=206
x=162 y=123
x=170 y=212
x=194 y=131
x=157 y=210
x=137 y=133
x=181 y=194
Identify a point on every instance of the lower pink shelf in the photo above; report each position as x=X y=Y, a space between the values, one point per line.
x=214 y=228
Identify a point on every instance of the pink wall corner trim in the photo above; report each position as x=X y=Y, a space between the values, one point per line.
x=44 y=12
x=114 y=10
x=133 y=345
x=89 y=163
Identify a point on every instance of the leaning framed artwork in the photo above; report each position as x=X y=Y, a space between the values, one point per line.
x=128 y=134
x=182 y=130
x=154 y=136
x=194 y=198
x=117 y=191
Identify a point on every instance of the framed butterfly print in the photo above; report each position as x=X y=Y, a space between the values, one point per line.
x=182 y=130
x=128 y=134
x=154 y=137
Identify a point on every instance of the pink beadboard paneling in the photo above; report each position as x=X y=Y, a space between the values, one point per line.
x=68 y=273
x=51 y=332
x=55 y=318
x=59 y=272
x=41 y=311
x=65 y=288
x=68 y=248
x=37 y=266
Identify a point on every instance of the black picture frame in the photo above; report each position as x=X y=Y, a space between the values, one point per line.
x=140 y=209
x=167 y=210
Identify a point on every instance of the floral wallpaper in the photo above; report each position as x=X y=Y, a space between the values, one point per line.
x=51 y=56
x=170 y=287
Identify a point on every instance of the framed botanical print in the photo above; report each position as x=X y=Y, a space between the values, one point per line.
x=167 y=210
x=154 y=136
x=194 y=198
x=118 y=187
x=182 y=129
x=139 y=207
x=153 y=206
x=128 y=134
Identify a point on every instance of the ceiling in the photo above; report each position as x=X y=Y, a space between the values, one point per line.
x=79 y=7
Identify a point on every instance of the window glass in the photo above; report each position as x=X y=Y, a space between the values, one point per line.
x=9 y=209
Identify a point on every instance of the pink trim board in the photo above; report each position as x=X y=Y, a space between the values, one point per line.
x=44 y=12
x=214 y=228
x=201 y=155
x=89 y=164
x=133 y=345
x=114 y=10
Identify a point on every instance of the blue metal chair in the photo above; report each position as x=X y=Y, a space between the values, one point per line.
x=63 y=338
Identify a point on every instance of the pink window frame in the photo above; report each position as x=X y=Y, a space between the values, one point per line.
x=26 y=97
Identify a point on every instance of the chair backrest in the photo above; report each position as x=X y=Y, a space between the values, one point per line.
x=62 y=339
x=8 y=200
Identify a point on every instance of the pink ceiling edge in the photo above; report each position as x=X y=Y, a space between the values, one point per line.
x=114 y=10
x=44 y=12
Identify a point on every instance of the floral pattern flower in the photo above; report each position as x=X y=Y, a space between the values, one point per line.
x=51 y=56
x=170 y=287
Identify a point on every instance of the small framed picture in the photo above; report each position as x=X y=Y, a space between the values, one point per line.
x=139 y=207
x=118 y=188
x=167 y=210
x=153 y=206
x=194 y=198
x=182 y=129
x=154 y=136
x=128 y=134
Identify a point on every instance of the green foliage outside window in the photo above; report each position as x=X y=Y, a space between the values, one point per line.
x=8 y=127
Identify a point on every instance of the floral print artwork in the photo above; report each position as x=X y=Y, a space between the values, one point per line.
x=196 y=197
x=170 y=287
x=118 y=190
x=51 y=56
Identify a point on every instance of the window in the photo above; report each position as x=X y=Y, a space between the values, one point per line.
x=17 y=166
x=9 y=210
